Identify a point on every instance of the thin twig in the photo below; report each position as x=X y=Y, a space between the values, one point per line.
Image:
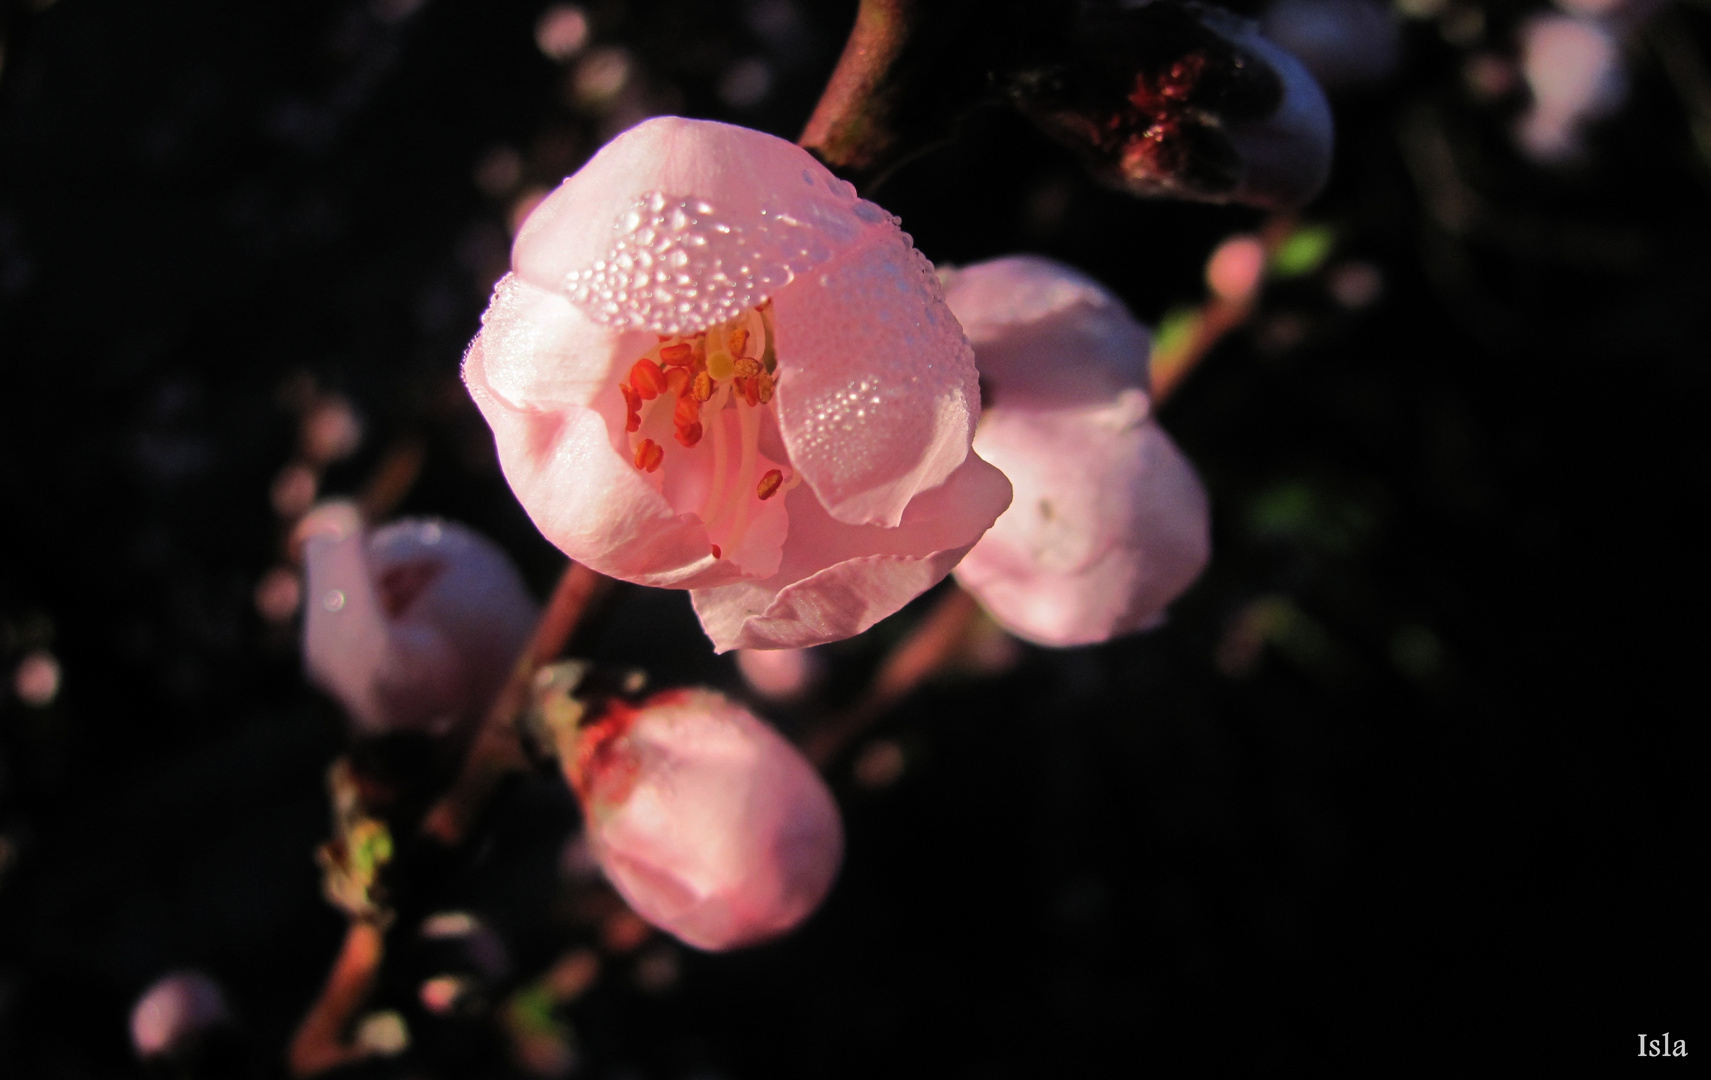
x=496 y=749
x=926 y=649
x=1215 y=320
x=320 y=1043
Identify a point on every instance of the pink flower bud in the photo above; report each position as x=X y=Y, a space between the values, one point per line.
x=1110 y=523
x=1574 y=69
x=711 y=825
x=413 y=627
x=175 y=1013
x=714 y=367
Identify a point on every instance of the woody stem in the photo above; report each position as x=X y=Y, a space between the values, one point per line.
x=496 y=750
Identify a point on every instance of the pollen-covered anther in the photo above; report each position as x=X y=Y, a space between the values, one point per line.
x=648 y=379
x=648 y=455
x=764 y=387
x=738 y=341
x=746 y=368
x=769 y=484
x=701 y=387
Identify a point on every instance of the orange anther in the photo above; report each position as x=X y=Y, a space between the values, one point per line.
x=746 y=368
x=750 y=392
x=688 y=434
x=738 y=340
x=632 y=400
x=768 y=486
x=633 y=421
x=677 y=380
x=702 y=387
x=717 y=554
x=688 y=411
x=647 y=378
x=763 y=387
x=677 y=355
x=649 y=455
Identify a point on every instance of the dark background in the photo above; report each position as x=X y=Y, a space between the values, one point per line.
x=1411 y=777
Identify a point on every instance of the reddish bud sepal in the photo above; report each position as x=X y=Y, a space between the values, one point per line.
x=711 y=825
x=1186 y=101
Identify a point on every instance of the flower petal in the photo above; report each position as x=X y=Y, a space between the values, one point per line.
x=679 y=224
x=585 y=496
x=540 y=349
x=1109 y=524
x=1020 y=309
x=877 y=394
x=836 y=580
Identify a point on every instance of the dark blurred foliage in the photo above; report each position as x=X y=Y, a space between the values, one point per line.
x=1411 y=777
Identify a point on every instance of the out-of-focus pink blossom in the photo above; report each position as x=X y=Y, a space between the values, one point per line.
x=1342 y=42
x=714 y=367
x=175 y=1013
x=779 y=674
x=412 y=627
x=711 y=825
x=1109 y=524
x=1573 y=66
x=1233 y=272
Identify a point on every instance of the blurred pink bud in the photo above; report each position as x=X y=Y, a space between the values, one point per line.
x=1574 y=69
x=712 y=826
x=1342 y=42
x=175 y=1013
x=413 y=627
x=713 y=367
x=1109 y=523
x=778 y=674
x=37 y=678
x=1233 y=272
x=331 y=430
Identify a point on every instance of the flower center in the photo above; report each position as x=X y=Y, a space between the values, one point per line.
x=709 y=390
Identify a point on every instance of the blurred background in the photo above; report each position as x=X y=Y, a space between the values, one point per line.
x=1411 y=776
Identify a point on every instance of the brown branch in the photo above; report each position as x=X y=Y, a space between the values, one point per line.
x=929 y=645
x=496 y=749
x=1216 y=320
x=850 y=128
x=319 y=1043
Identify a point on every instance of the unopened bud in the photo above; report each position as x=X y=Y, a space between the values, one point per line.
x=1186 y=101
x=413 y=627
x=712 y=826
x=175 y=1014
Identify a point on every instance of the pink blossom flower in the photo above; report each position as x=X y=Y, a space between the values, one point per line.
x=710 y=824
x=175 y=1013
x=714 y=367
x=412 y=627
x=1109 y=524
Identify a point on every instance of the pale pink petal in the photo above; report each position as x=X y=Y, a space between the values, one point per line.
x=586 y=497
x=387 y=676
x=175 y=1012
x=836 y=580
x=877 y=394
x=1024 y=314
x=473 y=599
x=679 y=224
x=541 y=350
x=710 y=824
x=1109 y=523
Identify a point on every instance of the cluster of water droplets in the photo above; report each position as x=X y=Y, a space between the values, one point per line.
x=677 y=265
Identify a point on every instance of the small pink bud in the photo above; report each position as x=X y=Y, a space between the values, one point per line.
x=412 y=627
x=779 y=674
x=175 y=1013
x=714 y=367
x=712 y=826
x=1233 y=272
x=1109 y=524
x=1574 y=68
